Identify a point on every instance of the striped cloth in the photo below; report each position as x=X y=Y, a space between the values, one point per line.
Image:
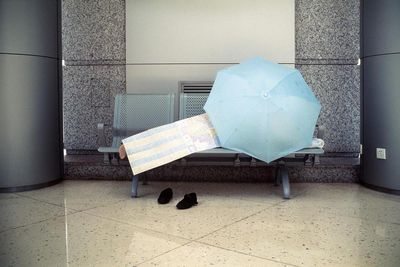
x=164 y=144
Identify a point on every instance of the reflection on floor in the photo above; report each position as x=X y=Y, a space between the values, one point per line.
x=96 y=223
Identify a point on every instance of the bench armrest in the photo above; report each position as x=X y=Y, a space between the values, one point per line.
x=101 y=134
x=320 y=131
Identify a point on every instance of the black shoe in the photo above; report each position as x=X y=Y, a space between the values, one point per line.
x=165 y=196
x=187 y=202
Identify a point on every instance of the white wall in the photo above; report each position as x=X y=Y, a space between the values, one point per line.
x=173 y=40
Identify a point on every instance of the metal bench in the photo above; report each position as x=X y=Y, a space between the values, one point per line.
x=136 y=113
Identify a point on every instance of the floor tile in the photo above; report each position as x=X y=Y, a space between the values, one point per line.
x=18 y=211
x=312 y=238
x=349 y=200
x=212 y=212
x=196 y=254
x=82 y=240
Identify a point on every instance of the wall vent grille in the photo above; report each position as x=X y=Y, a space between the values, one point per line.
x=193 y=96
x=195 y=87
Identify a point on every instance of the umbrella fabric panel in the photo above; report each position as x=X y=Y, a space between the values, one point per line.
x=294 y=85
x=266 y=137
x=229 y=87
x=224 y=103
x=303 y=113
x=260 y=73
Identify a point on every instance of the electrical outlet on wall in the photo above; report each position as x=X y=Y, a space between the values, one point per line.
x=380 y=153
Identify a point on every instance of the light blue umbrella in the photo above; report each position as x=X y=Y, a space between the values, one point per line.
x=263 y=109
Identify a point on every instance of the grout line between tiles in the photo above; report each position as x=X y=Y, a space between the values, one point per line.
x=347 y=216
x=367 y=219
x=145 y=229
x=33 y=223
x=195 y=240
x=363 y=218
x=102 y=206
x=139 y=227
x=239 y=252
x=178 y=237
x=160 y=232
x=73 y=209
x=262 y=202
x=242 y=219
x=8 y=194
x=40 y=200
x=230 y=250
x=162 y=254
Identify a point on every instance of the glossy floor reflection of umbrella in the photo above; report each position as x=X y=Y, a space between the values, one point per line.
x=263 y=109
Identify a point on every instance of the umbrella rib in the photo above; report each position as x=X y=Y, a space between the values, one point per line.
x=283 y=78
x=232 y=132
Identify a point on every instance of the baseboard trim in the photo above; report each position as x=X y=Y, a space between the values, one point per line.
x=28 y=187
x=381 y=189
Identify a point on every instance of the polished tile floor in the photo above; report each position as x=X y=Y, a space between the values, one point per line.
x=96 y=223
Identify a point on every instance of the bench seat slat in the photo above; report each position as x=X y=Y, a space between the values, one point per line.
x=220 y=150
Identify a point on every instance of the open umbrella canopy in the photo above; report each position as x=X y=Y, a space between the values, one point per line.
x=263 y=109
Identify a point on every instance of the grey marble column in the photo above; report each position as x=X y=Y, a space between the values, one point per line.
x=327 y=51
x=94 y=53
x=30 y=95
x=381 y=94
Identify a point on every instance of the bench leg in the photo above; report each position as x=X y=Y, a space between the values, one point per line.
x=144 y=179
x=135 y=181
x=107 y=158
x=285 y=181
x=277 y=176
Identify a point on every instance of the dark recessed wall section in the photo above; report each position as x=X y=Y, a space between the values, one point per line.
x=381 y=21
x=30 y=94
x=29 y=27
x=381 y=93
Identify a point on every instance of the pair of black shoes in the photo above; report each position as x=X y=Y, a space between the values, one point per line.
x=187 y=202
